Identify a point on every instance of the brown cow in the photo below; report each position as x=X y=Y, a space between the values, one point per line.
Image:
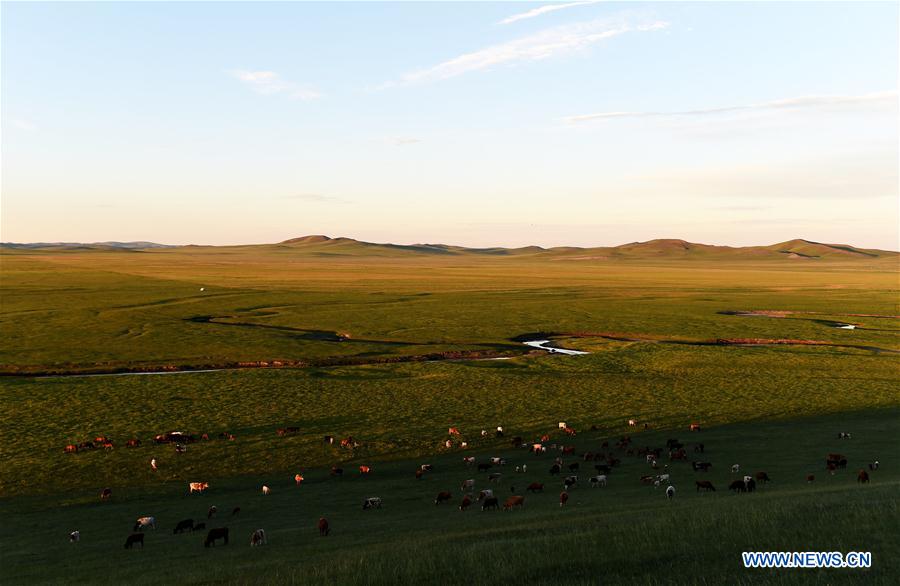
x=705 y=485
x=105 y=494
x=535 y=487
x=810 y=477
x=324 y=528
x=762 y=477
x=134 y=538
x=513 y=502
x=443 y=497
x=862 y=477
x=563 y=498
x=71 y=449
x=466 y=501
x=133 y=443
x=419 y=474
x=364 y=470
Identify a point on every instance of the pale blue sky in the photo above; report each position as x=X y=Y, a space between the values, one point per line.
x=480 y=124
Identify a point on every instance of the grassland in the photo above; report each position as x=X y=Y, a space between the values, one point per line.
x=627 y=533
x=79 y=309
x=74 y=311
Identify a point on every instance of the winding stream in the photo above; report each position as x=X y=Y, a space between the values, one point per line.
x=542 y=344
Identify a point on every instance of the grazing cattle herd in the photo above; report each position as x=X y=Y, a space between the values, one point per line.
x=605 y=461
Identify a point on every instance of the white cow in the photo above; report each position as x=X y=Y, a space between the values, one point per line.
x=373 y=502
x=198 y=486
x=266 y=490
x=144 y=522
x=258 y=537
x=670 y=492
x=468 y=485
x=736 y=468
x=599 y=480
x=75 y=536
x=486 y=494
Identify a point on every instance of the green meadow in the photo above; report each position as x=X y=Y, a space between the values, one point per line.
x=649 y=320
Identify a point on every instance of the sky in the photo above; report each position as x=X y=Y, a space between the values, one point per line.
x=482 y=124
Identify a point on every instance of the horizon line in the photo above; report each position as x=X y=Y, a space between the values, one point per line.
x=151 y=244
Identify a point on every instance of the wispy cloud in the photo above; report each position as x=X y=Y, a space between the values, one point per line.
x=800 y=103
x=544 y=10
x=403 y=141
x=269 y=82
x=317 y=197
x=547 y=43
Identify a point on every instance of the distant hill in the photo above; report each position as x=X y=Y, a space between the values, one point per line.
x=662 y=248
x=666 y=248
x=111 y=245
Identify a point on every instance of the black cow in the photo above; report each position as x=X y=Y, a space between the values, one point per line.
x=186 y=525
x=490 y=503
x=216 y=534
x=134 y=538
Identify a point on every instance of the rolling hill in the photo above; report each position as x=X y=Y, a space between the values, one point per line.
x=652 y=249
x=671 y=248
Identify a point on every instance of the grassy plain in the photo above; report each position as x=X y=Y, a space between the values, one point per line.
x=778 y=407
x=627 y=533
